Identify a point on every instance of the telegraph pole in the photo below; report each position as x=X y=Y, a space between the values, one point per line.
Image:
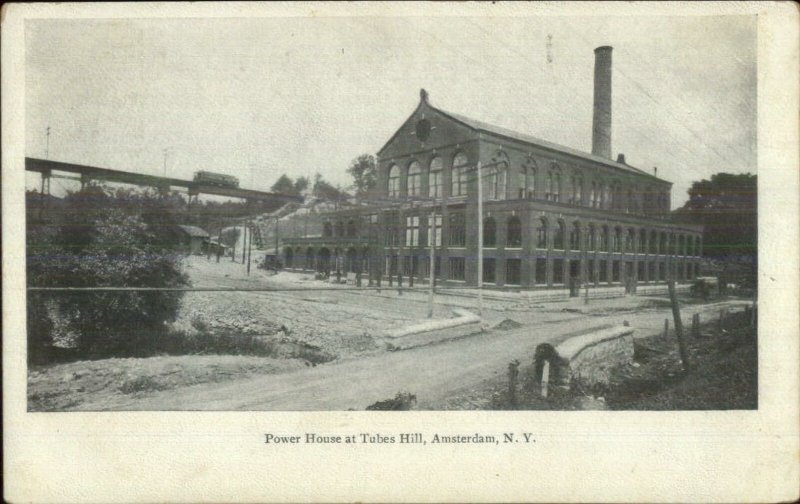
x=47 y=144
x=432 y=227
x=165 y=151
x=244 y=240
x=480 y=241
x=249 y=247
x=276 y=238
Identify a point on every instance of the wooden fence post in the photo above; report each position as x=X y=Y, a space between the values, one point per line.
x=545 y=378
x=513 y=372
x=676 y=314
x=696 y=325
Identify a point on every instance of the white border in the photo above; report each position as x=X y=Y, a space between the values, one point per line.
x=740 y=456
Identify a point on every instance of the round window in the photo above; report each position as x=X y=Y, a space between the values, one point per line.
x=423 y=129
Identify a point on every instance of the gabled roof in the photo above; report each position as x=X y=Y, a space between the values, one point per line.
x=529 y=139
x=491 y=129
x=193 y=231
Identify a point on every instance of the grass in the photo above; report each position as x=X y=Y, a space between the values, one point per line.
x=723 y=376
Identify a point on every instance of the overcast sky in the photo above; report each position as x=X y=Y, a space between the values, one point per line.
x=261 y=97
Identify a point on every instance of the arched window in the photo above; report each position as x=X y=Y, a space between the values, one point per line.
x=558 y=238
x=576 y=183
x=630 y=241
x=351 y=228
x=514 y=232
x=557 y=187
x=575 y=237
x=640 y=245
x=662 y=243
x=613 y=196
x=327 y=229
x=592 y=242
x=494 y=177
x=527 y=179
x=339 y=228
x=653 y=242
x=616 y=239
x=593 y=196
x=541 y=234
x=604 y=239
x=309 y=258
x=459 y=175
x=435 y=178
x=414 y=179
x=394 y=181
x=605 y=196
x=553 y=189
x=489 y=232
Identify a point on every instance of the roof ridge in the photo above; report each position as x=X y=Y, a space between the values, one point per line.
x=477 y=124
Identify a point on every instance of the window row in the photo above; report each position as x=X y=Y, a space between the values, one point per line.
x=496 y=179
x=602 y=238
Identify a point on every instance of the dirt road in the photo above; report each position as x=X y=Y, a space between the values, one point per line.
x=432 y=373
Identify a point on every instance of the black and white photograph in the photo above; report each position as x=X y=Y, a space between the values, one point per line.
x=388 y=211
x=271 y=214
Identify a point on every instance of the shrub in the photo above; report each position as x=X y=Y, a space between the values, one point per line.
x=104 y=239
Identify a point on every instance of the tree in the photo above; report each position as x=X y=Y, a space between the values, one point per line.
x=324 y=190
x=726 y=205
x=284 y=185
x=103 y=239
x=364 y=173
x=300 y=185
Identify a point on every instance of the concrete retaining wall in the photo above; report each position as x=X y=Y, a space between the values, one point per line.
x=588 y=359
x=661 y=289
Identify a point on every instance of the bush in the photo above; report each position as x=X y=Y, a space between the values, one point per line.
x=103 y=239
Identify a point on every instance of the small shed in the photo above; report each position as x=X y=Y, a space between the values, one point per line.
x=215 y=247
x=191 y=239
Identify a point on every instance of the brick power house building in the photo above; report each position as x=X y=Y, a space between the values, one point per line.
x=553 y=217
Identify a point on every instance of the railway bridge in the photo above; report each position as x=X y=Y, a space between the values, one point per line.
x=56 y=169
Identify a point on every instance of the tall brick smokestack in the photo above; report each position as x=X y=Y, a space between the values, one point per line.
x=601 y=122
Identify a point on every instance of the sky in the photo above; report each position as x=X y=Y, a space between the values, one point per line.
x=260 y=97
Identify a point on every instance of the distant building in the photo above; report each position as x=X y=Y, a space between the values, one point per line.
x=191 y=239
x=552 y=216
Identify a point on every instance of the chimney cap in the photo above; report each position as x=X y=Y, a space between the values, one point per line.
x=604 y=48
x=621 y=158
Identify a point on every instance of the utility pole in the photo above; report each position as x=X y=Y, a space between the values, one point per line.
x=47 y=144
x=480 y=241
x=165 y=151
x=249 y=248
x=244 y=241
x=276 y=237
x=432 y=226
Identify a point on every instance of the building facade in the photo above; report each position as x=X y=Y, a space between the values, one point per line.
x=552 y=216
